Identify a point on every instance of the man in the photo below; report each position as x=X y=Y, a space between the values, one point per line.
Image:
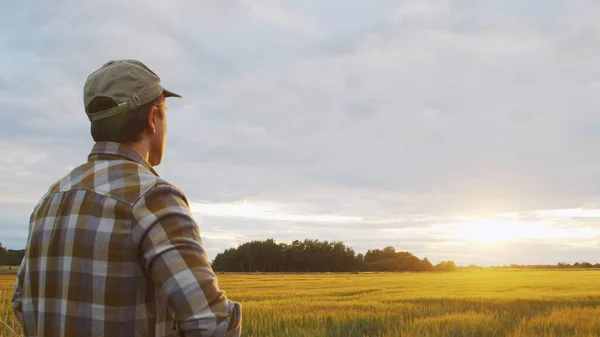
x=113 y=249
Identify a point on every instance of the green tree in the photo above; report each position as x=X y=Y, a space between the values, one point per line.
x=426 y=265
x=446 y=266
x=14 y=257
x=313 y=255
x=2 y=255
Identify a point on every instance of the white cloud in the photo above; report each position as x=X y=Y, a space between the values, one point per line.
x=264 y=212
x=282 y=18
x=491 y=230
x=370 y=123
x=569 y=213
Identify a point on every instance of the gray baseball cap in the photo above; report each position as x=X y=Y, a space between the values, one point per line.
x=130 y=83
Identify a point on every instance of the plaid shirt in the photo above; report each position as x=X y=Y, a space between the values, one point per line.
x=113 y=250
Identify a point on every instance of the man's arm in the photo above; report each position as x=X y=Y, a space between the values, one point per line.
x=172 y=254
x=17 y=299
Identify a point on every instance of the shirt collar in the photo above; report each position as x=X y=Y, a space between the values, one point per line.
x=102 y=149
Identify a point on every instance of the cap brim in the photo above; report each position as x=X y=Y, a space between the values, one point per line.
x=168 y=93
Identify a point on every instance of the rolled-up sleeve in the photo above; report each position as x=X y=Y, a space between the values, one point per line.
x=172 y=254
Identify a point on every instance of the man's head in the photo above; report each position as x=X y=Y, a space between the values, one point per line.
x=126 y=104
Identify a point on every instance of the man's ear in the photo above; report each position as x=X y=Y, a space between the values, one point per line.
x=153 y=119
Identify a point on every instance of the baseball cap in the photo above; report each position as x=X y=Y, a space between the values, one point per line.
x=129 y=83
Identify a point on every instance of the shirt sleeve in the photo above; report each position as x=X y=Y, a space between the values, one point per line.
x=17 y=298
x=172 y=254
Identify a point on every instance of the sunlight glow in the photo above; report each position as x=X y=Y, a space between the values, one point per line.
x=570 y=213
x=499 y=228
x=493 y=230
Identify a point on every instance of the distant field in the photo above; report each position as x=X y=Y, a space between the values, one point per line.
x=515 y=303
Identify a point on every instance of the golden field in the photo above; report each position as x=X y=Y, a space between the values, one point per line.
x=463 y=303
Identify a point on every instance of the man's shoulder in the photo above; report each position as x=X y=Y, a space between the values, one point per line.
x=123 y=180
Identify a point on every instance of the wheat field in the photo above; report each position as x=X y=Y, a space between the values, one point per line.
x=515 y=303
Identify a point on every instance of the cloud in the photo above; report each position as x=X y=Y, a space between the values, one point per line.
x=284 y=19
x=371 y=123
x=264 y=212
x=435 y=237
x=490 y=230
x=570 y=213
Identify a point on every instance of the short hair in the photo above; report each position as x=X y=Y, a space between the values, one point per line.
x=125 y=128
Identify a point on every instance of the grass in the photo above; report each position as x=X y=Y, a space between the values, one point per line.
x=9 y=327
x=513 y=303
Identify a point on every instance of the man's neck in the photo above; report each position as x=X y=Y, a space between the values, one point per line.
x=142 y=149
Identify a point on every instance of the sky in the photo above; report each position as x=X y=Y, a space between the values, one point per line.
x=457 y=130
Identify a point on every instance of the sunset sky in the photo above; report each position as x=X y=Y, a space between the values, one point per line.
x=464 y=130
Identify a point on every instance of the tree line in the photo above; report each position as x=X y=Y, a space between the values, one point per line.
x=560 y=265
x=318 y=256
x=10 y=257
